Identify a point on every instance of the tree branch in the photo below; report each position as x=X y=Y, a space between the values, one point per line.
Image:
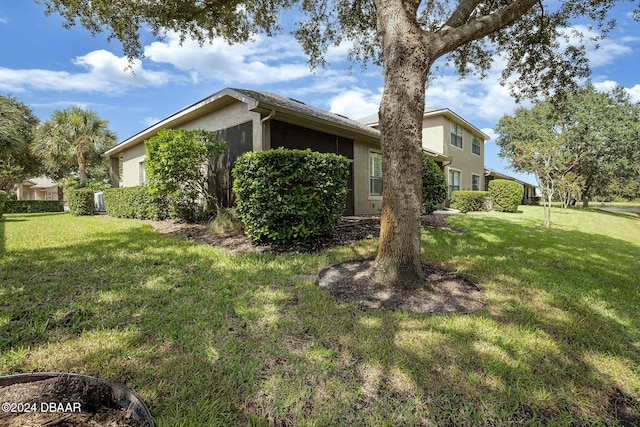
x=452 y=38
x=461 y=14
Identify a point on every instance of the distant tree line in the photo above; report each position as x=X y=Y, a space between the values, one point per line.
x=580 y=145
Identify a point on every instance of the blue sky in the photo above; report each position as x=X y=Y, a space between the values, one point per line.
x=49 y=67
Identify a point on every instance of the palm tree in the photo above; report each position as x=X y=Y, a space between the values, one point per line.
x=73 y=136
x=12 y=125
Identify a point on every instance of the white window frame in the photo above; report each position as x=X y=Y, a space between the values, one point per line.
x=476 y=187
x=372 y=195
x=476 y=142
x=142 y=172
x=451 y=189
x=457 y=131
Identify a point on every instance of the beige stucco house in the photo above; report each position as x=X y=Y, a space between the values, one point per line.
x=454 y=143
x=40 y=188
x=253 y=120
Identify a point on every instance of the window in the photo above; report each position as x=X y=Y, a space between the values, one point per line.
x=475 y=146
x=454 y=181
x=456 y=135
x=475 y=182
x=142 y=178
x=375 y=174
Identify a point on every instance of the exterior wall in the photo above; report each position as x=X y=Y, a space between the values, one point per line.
x=463 y=159
x=131 y=159
x=363 y=203
x=228 y=116
x=27 y=192
x=433 y=135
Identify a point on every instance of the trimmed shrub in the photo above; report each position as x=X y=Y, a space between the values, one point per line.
x=534 y=200
x=434 y=185
x=177 y=163
x=290 y=196
x=33 y=206
x=81 y=201
x=505 y=195
x=469 y=201
x=134 y=202
x=3 y=199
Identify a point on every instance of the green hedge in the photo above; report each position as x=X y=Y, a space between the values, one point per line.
x=134 y=202
x=434 y=185
x=81 y=202
x=290 y=196
x=3 y=199
x=534 y=200
x=469 y=201
x=505 y=195
x=33 y=206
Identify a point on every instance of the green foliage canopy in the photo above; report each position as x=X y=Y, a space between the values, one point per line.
x=17 y=127
x=532 y=34
x=584 y=139
x=73 y=140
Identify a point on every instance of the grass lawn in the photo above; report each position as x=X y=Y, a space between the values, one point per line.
x=208 y=338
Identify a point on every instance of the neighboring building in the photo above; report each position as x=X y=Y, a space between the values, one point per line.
x=251 y=120
x=40 y=188
x=455 y=144
x=529 y=189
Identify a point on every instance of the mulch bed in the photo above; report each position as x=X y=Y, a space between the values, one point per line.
x=443 y=291
x=64 y=401
x=348 y=231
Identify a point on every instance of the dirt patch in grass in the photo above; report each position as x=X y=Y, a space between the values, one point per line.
x=443 y=292
x=67 y=401
x=624 y=408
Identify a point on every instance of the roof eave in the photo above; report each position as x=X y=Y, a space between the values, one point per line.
x=211 y=102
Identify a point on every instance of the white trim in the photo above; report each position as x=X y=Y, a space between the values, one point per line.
x=479 y=181
x=473 y=138
x=370 y=196
x=458 y=126
x=449 y=185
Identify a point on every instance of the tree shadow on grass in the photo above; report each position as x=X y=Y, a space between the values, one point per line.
x=211 y=338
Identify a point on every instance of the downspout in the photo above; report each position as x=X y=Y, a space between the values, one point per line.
x=263 y=126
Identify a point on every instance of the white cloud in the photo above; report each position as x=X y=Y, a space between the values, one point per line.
x=356 y=103
x=106 y=73
x=608 y=85
x=634 y=93
x=106 y=67
x=605 y=86
x=150 y=121
x=264 y=60
x=472 y=98
x=600 y=51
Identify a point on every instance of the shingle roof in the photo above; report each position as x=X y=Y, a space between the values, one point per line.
x=300 y=107
x=258 y=99
x=42 y=182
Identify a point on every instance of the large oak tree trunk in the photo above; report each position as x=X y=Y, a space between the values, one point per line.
x=405 y=69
